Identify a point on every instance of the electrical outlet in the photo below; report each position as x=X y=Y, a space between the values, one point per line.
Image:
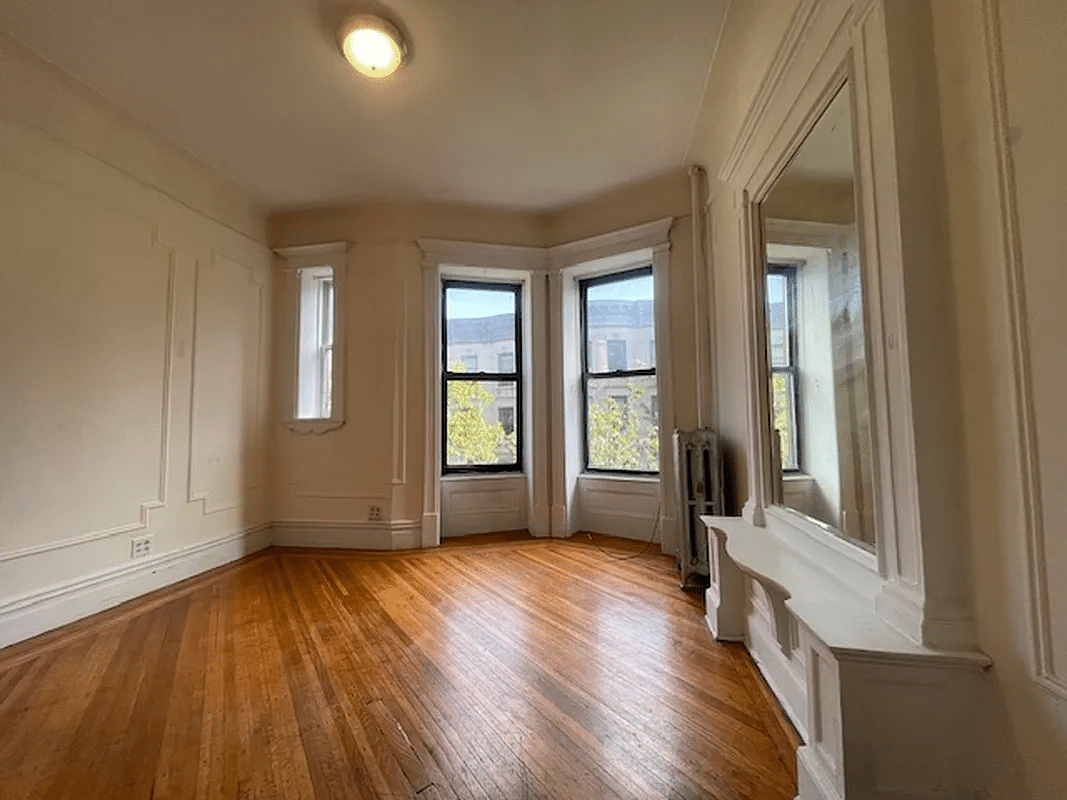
x=375 y=513
x=140 y=547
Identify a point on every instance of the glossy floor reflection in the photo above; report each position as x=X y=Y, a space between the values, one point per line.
x=487 y=669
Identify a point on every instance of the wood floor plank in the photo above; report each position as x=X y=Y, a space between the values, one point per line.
x=629 y=734
x=495 y=668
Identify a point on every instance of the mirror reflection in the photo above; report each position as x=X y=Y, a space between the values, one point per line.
x=816 y=339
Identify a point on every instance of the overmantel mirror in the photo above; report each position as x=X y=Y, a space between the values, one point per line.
x=821 y=461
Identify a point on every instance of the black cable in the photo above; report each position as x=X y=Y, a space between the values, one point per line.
x=644 y=550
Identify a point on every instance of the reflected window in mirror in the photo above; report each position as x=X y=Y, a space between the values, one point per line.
x=781 y=342
x=816 y=338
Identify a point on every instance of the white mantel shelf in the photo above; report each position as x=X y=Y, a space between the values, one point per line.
x=839 y=618
x=855 y=686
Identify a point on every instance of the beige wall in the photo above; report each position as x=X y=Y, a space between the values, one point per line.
x=134 y=318
x=812 y=201
x=1034 y=33
x=378 y=457
x=1024 y=724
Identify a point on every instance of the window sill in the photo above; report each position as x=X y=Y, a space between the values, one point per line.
x=619 y=477
x=313 y=426
x=459 y=477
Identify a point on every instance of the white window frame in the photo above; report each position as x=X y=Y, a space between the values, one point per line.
x=587 y=375
x=307 y=342
x=572 y=484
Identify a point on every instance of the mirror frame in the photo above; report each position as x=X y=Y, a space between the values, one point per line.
x=918 y=579
x=762 y=502
x=820 y=235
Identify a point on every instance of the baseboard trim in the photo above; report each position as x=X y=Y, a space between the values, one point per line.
x=356 y=535
x=811 y=783
x=540 y=521
x=638 y=528
x=45 y=609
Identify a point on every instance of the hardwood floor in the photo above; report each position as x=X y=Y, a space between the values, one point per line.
x=501 y=668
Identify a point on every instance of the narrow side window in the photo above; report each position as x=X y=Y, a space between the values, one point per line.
x=315 y=345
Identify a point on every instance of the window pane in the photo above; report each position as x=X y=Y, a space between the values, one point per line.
x=778 y=316
x=619 y=325
x=315 y=323
x=327 y=312
x=480 y=327
x=785 y=417
x=326 y=394
x=622 y=423
x=476 y=417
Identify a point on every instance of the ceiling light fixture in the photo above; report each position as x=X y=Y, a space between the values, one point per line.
x=372 y=45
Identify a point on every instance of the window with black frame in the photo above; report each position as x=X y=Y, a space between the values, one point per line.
x=481 y=368
x=620 y=402
x=782 y=346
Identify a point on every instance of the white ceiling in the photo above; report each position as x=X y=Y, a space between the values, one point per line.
x=523 y=103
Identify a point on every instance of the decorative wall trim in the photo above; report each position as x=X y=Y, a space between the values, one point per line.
x=340 y=496
x=354 y=535
x=255 y=476
x=1022 y=384
x=45 y=609
x=300 y=253
x=160 y=500
x=803 y=16
x=75 y=541
x=400 y=389
x=638 y=237
x=809 y=234
x=431 y=482
x=168 y=378
x=703 y=280
x=156 y=241
x=442 y=252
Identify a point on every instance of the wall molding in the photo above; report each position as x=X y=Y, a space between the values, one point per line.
x=44 y=609
x=1022 y=384
x=401 y=347
x=340 y=496
x=349 y=535
x=146 y=508
x=638 y=237
x=444 y=252
x=251 y=404
x=160 y=500
x=784 y=58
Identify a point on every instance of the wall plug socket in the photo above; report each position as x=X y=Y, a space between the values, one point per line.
x=140 y=546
